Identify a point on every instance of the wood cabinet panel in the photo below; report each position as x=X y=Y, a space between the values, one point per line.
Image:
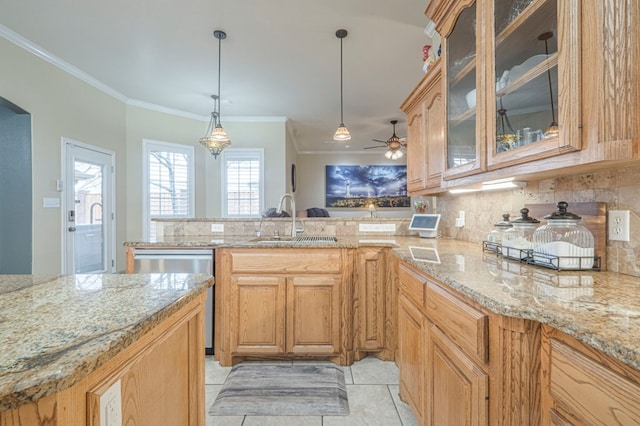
x=589 y=391
x=257 y=315
x=465 y=325
x=371 y=287
x=285 y=261
x=313 y=315
x=411 y=348
x=458 y=389
x=412 y=285
x=416 y=152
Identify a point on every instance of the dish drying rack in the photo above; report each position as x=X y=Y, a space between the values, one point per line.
x=544 y=260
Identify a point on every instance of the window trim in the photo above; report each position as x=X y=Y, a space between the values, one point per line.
x=149 y=145
x=234 y=153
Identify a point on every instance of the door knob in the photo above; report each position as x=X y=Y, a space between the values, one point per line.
x=72 y=229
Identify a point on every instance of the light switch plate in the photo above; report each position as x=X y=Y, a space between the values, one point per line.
x=217 y=227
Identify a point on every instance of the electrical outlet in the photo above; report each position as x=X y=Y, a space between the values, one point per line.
x=111 y=406
x=619 y=225
x=217 y=227
x=460 y=219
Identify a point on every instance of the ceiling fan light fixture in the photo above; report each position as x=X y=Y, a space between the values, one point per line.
x=342 y=133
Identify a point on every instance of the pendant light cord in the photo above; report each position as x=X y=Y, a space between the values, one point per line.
x=341 y=109
x=553 y=110
x=219 y=68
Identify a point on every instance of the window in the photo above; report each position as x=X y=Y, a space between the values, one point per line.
x=242 y=182
x=168 y=183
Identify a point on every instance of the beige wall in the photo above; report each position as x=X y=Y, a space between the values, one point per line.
x=618 y=187
x=64 y=106
x=311 y=181
x=60 y=106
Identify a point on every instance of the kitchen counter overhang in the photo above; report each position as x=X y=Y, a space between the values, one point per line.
x=57 y=330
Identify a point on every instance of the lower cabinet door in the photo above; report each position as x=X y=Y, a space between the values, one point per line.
x=258 y=315
x=457 y=389
x=411 y=361
x=313 y=315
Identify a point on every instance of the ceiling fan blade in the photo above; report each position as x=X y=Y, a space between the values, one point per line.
x=372 y=147
x=378 y=140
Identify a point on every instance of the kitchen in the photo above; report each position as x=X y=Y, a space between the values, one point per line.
x=614 y=185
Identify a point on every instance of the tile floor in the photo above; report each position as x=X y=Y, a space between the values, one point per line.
x=372 y=387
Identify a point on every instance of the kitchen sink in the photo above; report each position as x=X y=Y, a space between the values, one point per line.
x=306 y=239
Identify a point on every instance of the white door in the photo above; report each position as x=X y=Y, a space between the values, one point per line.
x=89 y=215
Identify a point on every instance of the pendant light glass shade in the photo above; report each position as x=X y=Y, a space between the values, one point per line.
x=216 y=139
x=393 y=154
x=342 y=134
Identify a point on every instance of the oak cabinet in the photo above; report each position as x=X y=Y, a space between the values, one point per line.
x=374 y=304
x=411 y=361
x=425 y=133
x=457 y=388
x=282 y=303
x=513 y=68
x=583 y=386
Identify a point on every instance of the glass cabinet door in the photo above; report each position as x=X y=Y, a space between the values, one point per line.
x=463 y=98
x=526 y=66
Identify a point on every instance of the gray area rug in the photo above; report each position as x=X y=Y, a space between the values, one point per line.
x=283 y=390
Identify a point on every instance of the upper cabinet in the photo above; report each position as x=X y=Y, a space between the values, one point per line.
x=535 y=88
x=425 y=133
x=465 y=82
x=533 y=75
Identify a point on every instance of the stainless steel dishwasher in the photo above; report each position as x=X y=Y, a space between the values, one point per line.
x=148 y=261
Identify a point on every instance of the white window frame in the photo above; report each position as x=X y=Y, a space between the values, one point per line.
x=237 y=153
x=152 y=145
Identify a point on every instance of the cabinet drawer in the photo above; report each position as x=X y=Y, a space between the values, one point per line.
x=412 y=285
x=286 y=261
x=590 y=391
x=465 y=325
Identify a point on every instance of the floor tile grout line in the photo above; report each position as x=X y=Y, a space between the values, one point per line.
x=394 y=404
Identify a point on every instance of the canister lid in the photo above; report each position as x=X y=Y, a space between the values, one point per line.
x=562 y=213
x=524 y=218
x=504 y=223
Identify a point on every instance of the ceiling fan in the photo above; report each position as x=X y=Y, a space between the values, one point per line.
x=393 y=144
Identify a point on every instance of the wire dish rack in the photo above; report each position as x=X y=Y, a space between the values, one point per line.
x=549 y=261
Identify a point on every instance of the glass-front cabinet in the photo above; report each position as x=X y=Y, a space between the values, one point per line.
x=512 y=78
x=464 y=100
x=530 y=57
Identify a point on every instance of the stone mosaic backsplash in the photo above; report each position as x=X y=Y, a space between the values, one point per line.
x=267 y=226
x=619 y=188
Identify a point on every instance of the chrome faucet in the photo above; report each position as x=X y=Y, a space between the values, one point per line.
x=294 y=229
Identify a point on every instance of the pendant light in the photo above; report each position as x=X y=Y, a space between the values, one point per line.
x=216 y=139
x=553 y=129
x=342 y=134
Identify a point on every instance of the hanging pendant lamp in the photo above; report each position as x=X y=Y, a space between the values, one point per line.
x=216 y=138
x=553 y=129
x=342 y=134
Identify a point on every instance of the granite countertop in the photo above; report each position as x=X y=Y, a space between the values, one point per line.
x=601 y=309
x=56 y=330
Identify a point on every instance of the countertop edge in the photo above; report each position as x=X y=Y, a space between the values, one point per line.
x=87 y=365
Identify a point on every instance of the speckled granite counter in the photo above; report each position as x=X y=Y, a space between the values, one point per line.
x=601 y=309
x=55 y=330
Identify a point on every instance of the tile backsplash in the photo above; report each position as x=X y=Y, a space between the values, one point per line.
x=619 y=188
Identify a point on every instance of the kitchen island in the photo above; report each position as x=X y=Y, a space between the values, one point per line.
x=67 y=339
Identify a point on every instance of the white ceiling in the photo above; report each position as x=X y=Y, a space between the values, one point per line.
x=280 y=59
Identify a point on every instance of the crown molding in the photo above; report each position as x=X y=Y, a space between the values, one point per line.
x=43 y=54
x=38 y=51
